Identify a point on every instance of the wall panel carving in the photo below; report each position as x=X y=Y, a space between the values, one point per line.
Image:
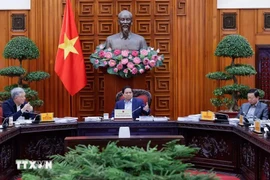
x=162 y=84
x=85 y=8
x=86 y=27
x=247 y=158
x=102 y=22
x=105 y=9
x=162 y=103
x=162 y=8
x=162 y=27
x=210 y=147
x=143 y=8
x=163 y=44
x=124 y=5
x=181 y=7
x=143 y=27
x=87 y=103
x=87 y=45
x=105 y=27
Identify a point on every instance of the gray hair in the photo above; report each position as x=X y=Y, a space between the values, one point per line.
x=16 y=92
x=125 y=11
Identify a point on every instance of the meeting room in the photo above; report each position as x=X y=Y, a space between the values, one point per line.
x=135 y=89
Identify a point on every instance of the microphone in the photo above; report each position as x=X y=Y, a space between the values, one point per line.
x=5 y=122
x=245 y=117
x=136 y=109
x=36 y=120
x=268 y=127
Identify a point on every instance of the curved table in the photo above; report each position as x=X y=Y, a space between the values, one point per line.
x=222 y=146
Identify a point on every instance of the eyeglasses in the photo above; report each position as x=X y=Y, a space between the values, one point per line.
x=21 y=96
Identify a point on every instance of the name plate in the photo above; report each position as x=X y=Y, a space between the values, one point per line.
x=46 y=117
x=207 y=115
x=122 y=114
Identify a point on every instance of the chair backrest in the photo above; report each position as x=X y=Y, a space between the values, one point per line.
x=266 y=101
x=138 y=93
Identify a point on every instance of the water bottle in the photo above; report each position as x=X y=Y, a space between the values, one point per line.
x=10 y=121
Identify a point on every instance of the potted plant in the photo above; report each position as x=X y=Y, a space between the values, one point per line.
x=233 y=47
x=22 y=48
x=115 y=163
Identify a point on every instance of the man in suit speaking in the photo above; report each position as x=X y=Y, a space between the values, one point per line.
x=16 y=105
x=129 y=102
x=254 y=108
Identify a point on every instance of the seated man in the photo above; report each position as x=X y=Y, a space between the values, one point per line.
x=129 y=102
x=254 y=108
x=16 y=105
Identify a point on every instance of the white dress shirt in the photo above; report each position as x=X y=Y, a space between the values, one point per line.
x=128 y=104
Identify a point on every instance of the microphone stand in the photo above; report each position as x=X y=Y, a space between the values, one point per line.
x=246 y=121
x=5 y=122
x=135 y=111
x=35 y=120
x=268 y=132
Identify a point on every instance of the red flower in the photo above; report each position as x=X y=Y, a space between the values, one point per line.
x=101 y=54
x=135 y=53
x=117 y=52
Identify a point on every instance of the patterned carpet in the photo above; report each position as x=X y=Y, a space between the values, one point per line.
x=220 y=175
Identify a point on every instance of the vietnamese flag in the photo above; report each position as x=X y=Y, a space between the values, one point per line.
x=69 y=65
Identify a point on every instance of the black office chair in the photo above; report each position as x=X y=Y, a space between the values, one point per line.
x=266 y=101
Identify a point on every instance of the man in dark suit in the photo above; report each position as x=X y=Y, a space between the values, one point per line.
x=254 y=109
x=16 y=105
x=129 y=102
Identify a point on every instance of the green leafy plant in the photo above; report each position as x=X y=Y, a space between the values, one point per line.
x=22 y=48
x=125 y=163
x=233 y=47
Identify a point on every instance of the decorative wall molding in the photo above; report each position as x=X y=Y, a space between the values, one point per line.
x=181 y=7
x=18 y=22
x=229 y=21
x=267 y=20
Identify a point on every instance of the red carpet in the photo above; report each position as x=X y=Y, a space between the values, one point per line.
x=219 y=175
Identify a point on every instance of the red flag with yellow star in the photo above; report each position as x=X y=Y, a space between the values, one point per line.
x=69 y=65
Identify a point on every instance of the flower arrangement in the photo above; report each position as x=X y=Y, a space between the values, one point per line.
x=126 y=63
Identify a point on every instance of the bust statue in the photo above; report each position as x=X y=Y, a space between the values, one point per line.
x=125 y=40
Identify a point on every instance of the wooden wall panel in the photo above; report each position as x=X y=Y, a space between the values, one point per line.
x=45 y=19
x=195 y=40
x=187 y=33
x=250 y=24
x=4 y=36
x=151 y=19
x=43 y=27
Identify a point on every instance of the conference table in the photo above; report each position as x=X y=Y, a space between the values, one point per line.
x=223 y=147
